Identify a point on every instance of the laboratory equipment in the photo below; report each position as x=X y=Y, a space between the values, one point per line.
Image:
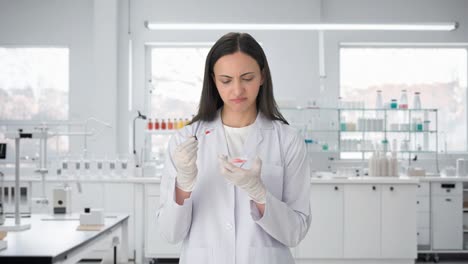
x=17 y=136
x=139 y=116
x=170 y=124
x=156 y=124
x=93 y=216
x=112 y=167
x=2 y=186
x=393 y=104
x=163 y=124
x=62 y=200
x=86 y=134
x=123 y=161
x=150 y=124
x=3 y=147
x=378 y=100
x=416 y=101
x=403 y=100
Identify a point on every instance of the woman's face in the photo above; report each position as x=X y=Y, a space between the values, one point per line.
x=238 y=78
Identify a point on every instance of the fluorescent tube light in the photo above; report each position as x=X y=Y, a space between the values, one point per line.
x=448 y=26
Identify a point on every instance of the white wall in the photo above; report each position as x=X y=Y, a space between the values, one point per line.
x=98 y=34
x=293 y=56
x=88 y=29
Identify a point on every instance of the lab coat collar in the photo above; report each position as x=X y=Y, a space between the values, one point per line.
x=261 y=122
x=254 y=138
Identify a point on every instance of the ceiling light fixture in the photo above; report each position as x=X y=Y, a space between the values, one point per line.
x=446 y=26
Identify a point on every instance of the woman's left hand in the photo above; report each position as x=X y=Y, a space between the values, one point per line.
x=247 y=179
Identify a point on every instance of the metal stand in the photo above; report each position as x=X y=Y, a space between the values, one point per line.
x=18 y=226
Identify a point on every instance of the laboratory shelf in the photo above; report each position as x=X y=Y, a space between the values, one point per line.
x=161 y=132
x=386 y=131
x=400 y=151
x=387 y=109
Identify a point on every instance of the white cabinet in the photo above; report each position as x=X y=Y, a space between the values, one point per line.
x=398 y=221
x=423 y=210
x=155 y=245
x=447 y=216
x=362 y=221
x=325 y=236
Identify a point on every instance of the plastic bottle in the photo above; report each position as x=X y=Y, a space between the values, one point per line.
x=416 y=101
x=383 y=164
x=393 y=165
x=378 y=100
x=371 y=171
x=404 y=100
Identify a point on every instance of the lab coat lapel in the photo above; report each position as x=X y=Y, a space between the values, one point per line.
x=220 y=141
x=255 y=137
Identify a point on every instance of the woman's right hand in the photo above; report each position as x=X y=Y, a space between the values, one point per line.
x=185 y=160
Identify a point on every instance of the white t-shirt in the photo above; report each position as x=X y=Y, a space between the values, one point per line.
x=235 y=138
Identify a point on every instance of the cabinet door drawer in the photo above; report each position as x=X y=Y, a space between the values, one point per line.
x=423 y=220
x=447 y=222
x=423 y=189
x=423 y=236
x=422 y=203
x=446 y=188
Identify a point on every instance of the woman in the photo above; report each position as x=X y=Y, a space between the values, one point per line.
x=236 y=186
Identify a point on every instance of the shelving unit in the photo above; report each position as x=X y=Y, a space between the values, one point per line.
x=355 y=133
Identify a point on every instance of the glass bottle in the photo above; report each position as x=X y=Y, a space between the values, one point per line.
x=163 y=124
x=417 y=101
x=180 y=124
x=156 y=124
x=170 y=125
x=378 y=100
x=150 y=124
x=404 y=100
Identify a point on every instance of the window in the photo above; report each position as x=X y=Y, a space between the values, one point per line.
x=34 y=83
x=34 y=87
x=176 y=74
x=439 y=74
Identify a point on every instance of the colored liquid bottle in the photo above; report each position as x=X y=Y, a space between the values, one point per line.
x=180 y=124
x=150 y=124
x=186 y=121
x=156 y=124
x=170 y=125
x=163 y=125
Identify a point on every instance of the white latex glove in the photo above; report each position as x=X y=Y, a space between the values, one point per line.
x=248 y=180
x=185 y=160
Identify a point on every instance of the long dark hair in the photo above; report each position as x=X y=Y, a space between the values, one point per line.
x=211 y=101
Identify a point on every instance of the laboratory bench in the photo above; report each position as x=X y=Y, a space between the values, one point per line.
x=364 y=219
x=55 y=239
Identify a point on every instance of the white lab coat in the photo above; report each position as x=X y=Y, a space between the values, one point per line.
x=219 y=223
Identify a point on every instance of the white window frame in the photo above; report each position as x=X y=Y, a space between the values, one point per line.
x=30 y=124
